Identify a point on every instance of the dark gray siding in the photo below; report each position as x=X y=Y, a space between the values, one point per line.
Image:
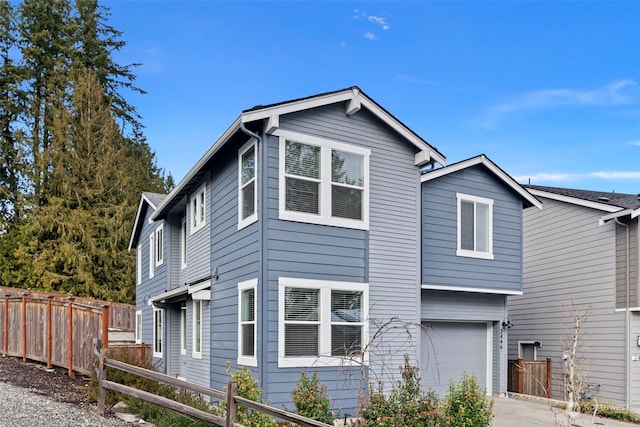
x=386 y=256
x=440 y=265
x=569 y=259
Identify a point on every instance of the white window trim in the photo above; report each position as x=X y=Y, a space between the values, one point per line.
x=138 y=331
x=194 y=353
x=324 y=218
x=139 y=264
x=152 y=250
x=243 y=286
x=325 y=358
x=158 y=312
x=253 y=217
x=183 y=243
x=160 y=246
x=195 y=222
x=183 y=329
x=465 y=252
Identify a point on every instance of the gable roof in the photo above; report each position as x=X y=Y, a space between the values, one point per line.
x=148 y=200
x=615 y=204
x=353 y=98
x=529 y=199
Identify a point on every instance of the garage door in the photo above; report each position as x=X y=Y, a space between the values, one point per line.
x=451 y=348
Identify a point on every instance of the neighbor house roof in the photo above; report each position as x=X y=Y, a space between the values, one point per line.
x=354 y=100
x=483 y=160
x=614 y=204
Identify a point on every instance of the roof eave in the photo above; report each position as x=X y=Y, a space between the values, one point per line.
x=575 y=201
x=144 y=199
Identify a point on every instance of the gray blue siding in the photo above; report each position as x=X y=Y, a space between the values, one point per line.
x=440 y=265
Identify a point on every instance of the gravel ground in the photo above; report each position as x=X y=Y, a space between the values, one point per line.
x=31 y=396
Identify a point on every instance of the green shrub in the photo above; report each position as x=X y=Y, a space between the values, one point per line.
x=609 y=411
x=311 y=400
x=249 y=389
x=467 y=404
x=407 y=404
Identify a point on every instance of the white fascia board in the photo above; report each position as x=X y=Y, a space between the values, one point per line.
x=200 y=286
x=235 y=126
x=575 y=201
x=619 y=214
x=468 y=289
x=484 y=160
x=356 y=100
x=169 y=294
x=143 y=199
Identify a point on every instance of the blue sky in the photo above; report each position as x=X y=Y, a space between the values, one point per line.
x=550 y=91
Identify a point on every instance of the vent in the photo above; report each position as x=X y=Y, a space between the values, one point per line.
x=603 y=199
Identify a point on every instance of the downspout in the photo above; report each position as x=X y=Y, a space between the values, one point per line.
x=262 y=284
x=627 y=317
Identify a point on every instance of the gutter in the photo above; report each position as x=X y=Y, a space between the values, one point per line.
x=627 y=315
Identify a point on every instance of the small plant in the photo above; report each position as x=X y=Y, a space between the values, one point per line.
x=467 y=404
x=249 y=389
x=311 y=400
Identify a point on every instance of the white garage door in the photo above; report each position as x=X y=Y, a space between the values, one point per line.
x=451 y=348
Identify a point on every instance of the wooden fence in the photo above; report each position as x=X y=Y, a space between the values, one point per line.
x=230 y=397
x=530 y=377
x=57 y=330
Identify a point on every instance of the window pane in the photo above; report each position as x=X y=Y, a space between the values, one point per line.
x=482 y=227
x=302 y=304
x=346 y=306
x=302 y=160
x=247 y=340
x=301 y=340
x=249 y=165
x=345 y=340
x=248 y=200
x=346 y=202
x=347 y=168
x=202 y=208
x=302 y=196
x=248 y=306
x=466 y=225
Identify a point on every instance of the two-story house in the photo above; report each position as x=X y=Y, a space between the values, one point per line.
x=581 y=251
x=310 y=237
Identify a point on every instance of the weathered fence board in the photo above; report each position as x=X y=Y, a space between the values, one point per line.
x=57 y=330
x=530 y=377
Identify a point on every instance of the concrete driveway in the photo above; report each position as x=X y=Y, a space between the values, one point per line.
x=513 y=412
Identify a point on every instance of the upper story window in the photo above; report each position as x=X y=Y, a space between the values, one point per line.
x=323 y=182
x=139 y=264
x=247 y=184
x=159 y=245
x=183 y=244
x=475 y=226
x=247 y=335
x=152 y=249
x=321 y=322
x=198 y=209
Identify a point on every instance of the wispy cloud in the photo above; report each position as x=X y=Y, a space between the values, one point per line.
x=621 y=92
x=380 y=22
x=636 y=143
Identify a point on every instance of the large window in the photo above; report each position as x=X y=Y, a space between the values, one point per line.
x=138 y=334
x=197 y=328
x=475 y=226
x=247 y=337
x=247 y=185
x=158 y=331
x=321 y=322
x=159 y=245
x=198 y=209
x=323 y=182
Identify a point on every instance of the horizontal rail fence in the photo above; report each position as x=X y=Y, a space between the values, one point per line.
x=230 y=397
x=55 y=330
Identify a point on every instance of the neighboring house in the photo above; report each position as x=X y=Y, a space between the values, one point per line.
x=297 y=237
x=581 y=251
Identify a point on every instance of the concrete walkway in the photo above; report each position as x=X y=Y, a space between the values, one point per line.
x=513 y=412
